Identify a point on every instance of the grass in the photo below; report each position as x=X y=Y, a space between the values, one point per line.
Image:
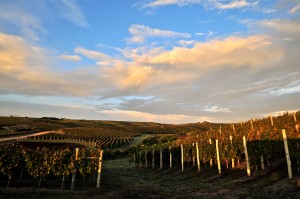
x=121 y=179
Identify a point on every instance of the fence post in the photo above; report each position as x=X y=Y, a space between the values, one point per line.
x=218 y=157
x=74 y=174
x=153 y=161
x=160 y=159
x=182 y=160
x=287 y=154
x=198 y=158
x=99 y=169
x=246 y=155
x=170 y=148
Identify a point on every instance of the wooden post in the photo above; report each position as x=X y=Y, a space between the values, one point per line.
x=160 y=159
x=232 y=159
x=182 y=160
x=218 y=156
x=262 y=162
x=140 y=160
x=146 y=159
x=251 y=125
x=153 y=162
x=134 y=158
x=295 y=119
x=210 y=161
x=193 y=155
x=170 y=148
x=246 y=155
x=99 y=169
x=74 y=174
x=198 y=158
x=287 y=154
x=271 y=118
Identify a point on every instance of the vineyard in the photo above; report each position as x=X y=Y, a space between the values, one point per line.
x=258 y=143
x=61 y=158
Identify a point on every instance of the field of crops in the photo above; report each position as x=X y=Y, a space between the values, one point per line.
x=51 y=161
x=253 y=145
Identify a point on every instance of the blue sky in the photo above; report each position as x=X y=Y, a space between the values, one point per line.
x=170 y=61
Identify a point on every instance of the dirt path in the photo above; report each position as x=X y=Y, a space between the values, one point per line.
x=22 y=137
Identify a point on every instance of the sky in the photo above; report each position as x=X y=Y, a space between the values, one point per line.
x=168 y=61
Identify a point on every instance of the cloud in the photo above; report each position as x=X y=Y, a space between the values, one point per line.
x=141 y=32
x=158 y=3
x=255 y=51
x=28 y=68
x=75 y=58
x=73 y=13
x=147 y=117
x=295 y=9
x=222 y=78
x=17 y=16
x=215 y=109
x=92 y=54
x=281 y=27
x=186 y=42
x=234 y=4
x=211 y=4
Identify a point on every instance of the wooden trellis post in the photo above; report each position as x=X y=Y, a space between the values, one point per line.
x=262 y=162
x=99 y=169
x=140 y=160
x=246 y=155
x=287 y=154
x=218 y=156
x=182 y=159
x=232 y=160
x=146 y=159
x=160 y=159
x=153 y=162
x=193 y=155
x=170 y=149
x=210 y=161
x=198 y=158
x=74 y=174
x=271 y=118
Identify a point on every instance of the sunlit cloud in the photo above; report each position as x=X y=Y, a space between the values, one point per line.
x=141 y=116
x=70 y=57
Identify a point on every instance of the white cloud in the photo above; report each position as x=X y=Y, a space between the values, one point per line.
x=158 y=3
x=234 y=4
x=28 y=24
x=93 y=54
x=70 y=57
x=73 y=13
x=211 y=4
x=215 y=109
x=141 y=32
x=186 y=42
